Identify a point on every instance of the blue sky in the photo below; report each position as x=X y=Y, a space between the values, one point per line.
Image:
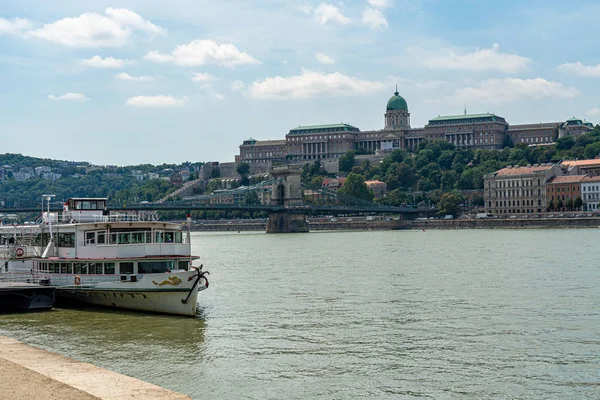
x=131 y=82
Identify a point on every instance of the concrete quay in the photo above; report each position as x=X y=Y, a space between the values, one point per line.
x=31 y=373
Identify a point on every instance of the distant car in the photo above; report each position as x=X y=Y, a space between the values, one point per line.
x=333 y=219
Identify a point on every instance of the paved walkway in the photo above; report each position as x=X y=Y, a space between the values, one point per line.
x=27 y=372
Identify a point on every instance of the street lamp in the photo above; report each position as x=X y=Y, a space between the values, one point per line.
x=47 y=197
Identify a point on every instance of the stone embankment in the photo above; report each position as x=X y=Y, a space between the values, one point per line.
x=363 y=225
x=244 y=226
x=31 y=373
x=506 y=223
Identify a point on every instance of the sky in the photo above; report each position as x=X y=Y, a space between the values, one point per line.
x=150 y=82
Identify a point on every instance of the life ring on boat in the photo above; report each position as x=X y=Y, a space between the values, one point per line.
x=19 y=252
x=77 y=280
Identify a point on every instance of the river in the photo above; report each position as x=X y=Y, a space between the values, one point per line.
x=469 y=314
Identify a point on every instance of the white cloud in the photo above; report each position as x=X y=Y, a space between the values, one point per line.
x=580 y=69
x=14 y=25
x=324 y=58
x=325 y=13
x=204 y=51
x=237 y=85
x=594 y=111
x=92 y=29
x=108 y=62
x=69 y=96
x=155 y=101
x=374 y=18
x=310 y=84
x=380 y=3
x=128 y=18
x=515 y=89
x=202 y=77
x=480 y=60
x=124 y=76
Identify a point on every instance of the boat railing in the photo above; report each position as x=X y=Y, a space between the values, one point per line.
x=17 y=251
x=71 y=217
x=23 y=277
x=75 y=280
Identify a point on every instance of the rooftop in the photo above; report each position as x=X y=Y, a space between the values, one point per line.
x=581 y=163
x=486 y=116
x=270 y=143
x=567 y=179
x=522 y=170
x=541 y=125
x=327 y=127
x=590 y=179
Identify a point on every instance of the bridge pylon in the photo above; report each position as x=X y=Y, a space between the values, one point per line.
x=287 y=192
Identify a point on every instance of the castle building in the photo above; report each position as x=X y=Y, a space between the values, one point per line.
x=329 y=142
x=469 y=130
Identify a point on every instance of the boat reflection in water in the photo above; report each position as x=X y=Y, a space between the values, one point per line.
x=109 y=337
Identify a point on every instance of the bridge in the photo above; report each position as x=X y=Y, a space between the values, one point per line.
x=287 y=201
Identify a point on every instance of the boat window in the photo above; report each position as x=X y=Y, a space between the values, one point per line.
x=109 y=268
x=84 y=268
x=43 y=267
x=63 y=268
x=77 y=268
x=90 y=238
x=124 y=238
x=93 y=268
x=183 y=265
x=155 y=267
x=158 y=237
x=178 y=237
x=138 y=237
x=101 y=237
x=126 y=268
x=66 y=240
x=168 y=237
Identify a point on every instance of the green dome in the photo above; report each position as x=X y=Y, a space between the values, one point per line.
x=397 y=103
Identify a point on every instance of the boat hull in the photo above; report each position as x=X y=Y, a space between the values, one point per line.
x=163 y=301
x=26 y=298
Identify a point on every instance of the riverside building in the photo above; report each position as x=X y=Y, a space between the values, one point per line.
x=562 y=189
x=590 y=193
x=518 y=190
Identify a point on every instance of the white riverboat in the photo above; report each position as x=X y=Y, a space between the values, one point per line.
x=105 y=258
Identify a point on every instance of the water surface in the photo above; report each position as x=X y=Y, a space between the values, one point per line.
x=467 y=314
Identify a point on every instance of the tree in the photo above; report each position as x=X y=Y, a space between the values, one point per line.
x=551 y=206
x=347 y=161
x=243 y=169
x=578 y=203
x=569 y=204
x=251 y=197
x=565 y=143
x=507 y=142
x=560 y=205
x=477 y=200
x=355 y=186
x=449 y=204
